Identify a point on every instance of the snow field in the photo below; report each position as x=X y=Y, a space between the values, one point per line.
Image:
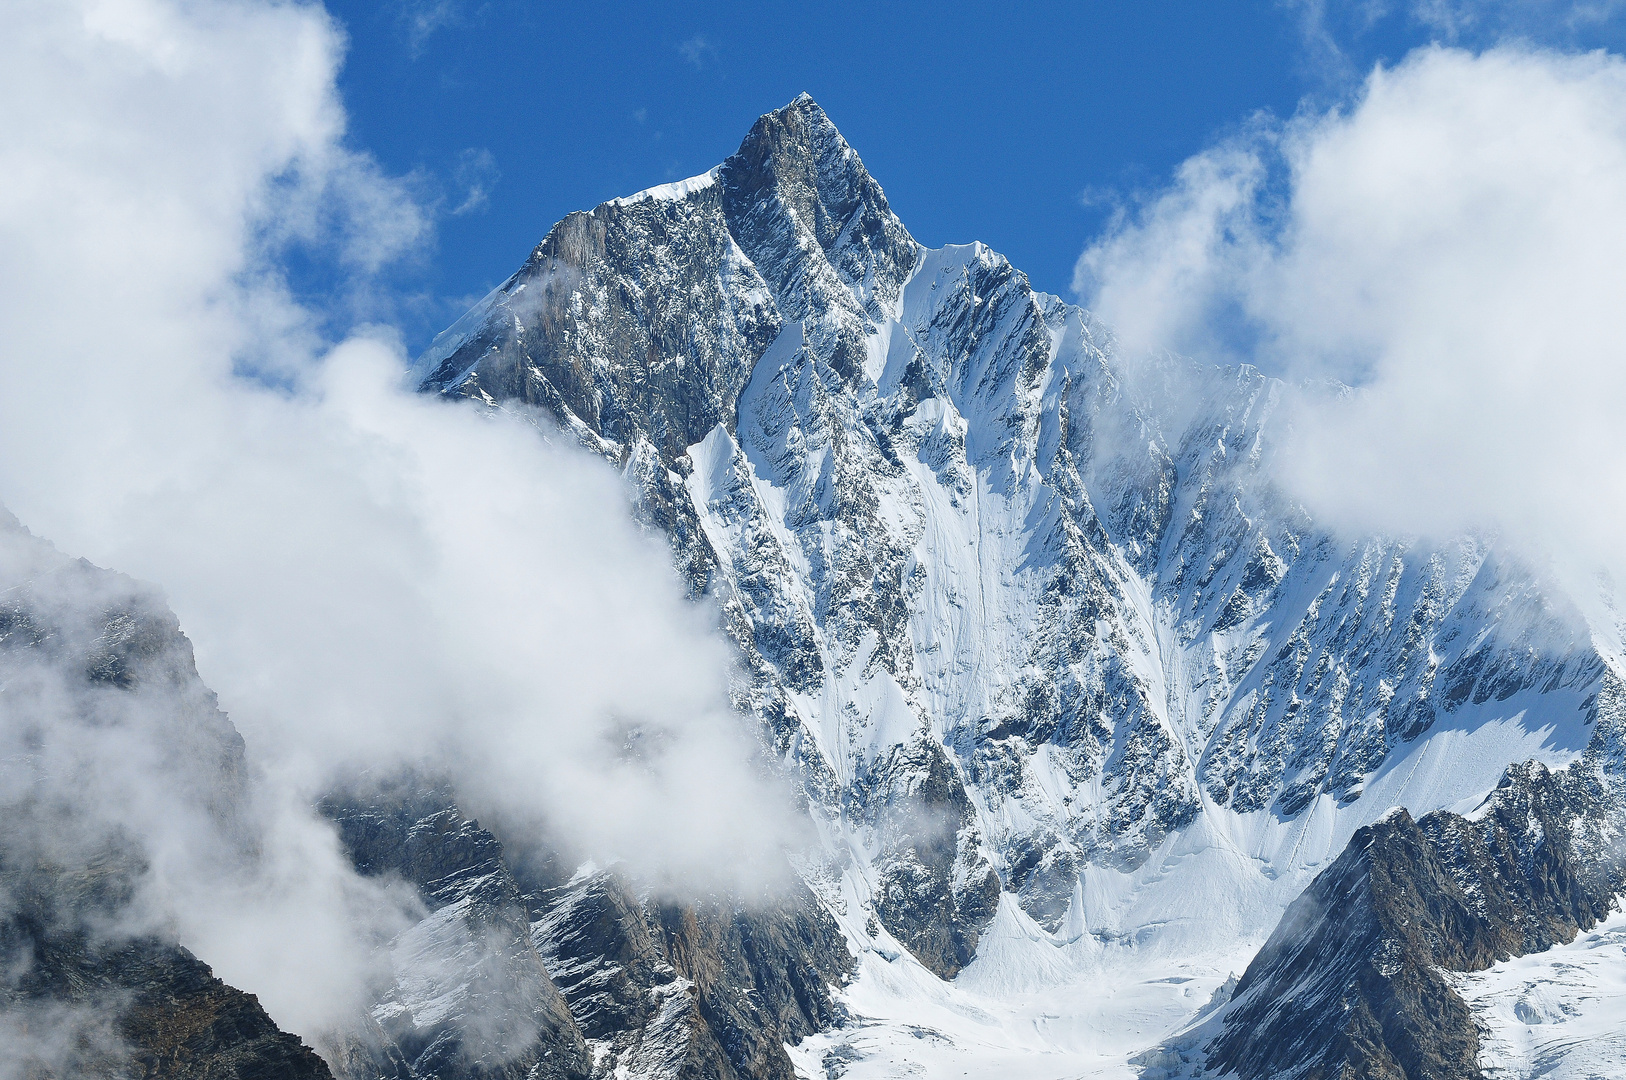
x=1558 y=1015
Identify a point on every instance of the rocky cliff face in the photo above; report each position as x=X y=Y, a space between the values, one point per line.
x=471 y=997
x=92 y=662
x=523 y=971
x=74 y=1007
x=1028 y=618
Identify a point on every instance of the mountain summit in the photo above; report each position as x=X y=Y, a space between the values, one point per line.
x=821 y=239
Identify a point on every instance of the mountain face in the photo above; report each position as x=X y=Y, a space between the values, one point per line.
x=1029 y=619
x=1024 y=614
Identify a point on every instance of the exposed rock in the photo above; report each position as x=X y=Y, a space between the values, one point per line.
x=702 y=988
x=923 y=829
x=472 y=998
x=1353 y=982
x=608 y=978
x=74 y=1006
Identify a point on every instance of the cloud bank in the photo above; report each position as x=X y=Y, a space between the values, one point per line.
x=1451 y=242
x=369 y=577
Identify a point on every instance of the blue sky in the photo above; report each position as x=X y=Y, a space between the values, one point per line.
x=1018 y=125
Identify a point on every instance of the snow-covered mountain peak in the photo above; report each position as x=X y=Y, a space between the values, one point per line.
x=796 y=179
x=1028 y=619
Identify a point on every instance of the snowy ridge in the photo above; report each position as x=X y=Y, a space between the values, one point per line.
x=1073 y=689
x=454 y=337
x=680 y=189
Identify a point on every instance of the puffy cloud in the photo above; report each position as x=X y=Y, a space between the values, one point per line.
x=1451 y=242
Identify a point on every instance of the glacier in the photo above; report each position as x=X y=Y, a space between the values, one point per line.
x=1559 y=1014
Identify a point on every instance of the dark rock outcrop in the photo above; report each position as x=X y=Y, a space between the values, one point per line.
x=143 y=1007
x=472 y=999
x=1353 y=982
x=710 y=989
x=938 y=918
x=701 y=988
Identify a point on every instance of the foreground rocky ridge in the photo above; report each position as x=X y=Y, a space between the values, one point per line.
x=89 y=660
x=74 y=1007
x=1356 y=980
x=1352 y=983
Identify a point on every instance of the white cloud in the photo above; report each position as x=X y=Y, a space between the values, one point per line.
x=1158 y=273
x=368 y=575
x=1454 y=242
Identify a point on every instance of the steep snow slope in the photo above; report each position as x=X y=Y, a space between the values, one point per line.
x=1069 y=683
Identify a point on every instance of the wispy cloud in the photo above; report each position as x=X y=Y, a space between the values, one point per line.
x=475 y=175
x=1547 y=21
x=1334 y=31
x=698 y=50
x=423 y=19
